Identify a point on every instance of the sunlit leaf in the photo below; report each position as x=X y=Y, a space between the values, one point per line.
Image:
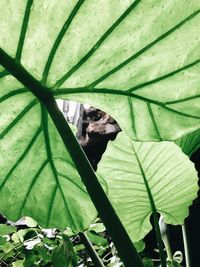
x=7 y=229
x=96 y=239
x=141 y=56
x=18 y=263
x=63 y=255
x=143 y=177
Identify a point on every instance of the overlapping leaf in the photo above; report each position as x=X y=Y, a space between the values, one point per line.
x=144 y=176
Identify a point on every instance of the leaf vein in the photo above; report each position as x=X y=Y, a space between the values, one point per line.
x=59 y=39
x=23 y=30
x=17 y=119
x=97 y=45
x=124 y=63
x=21 y=157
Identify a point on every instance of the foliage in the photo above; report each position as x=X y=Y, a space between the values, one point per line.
x=144 y=178
x=148 y=72
x=23 y=245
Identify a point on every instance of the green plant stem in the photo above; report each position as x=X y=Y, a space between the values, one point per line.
x=107 y=213
x=167 y=247
x=91 y=251
x=165 y=238
x=186 y=246
x=119 y=236
x=159 y=239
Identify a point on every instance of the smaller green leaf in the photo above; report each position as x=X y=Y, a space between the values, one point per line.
x=63 y=255
x=7 y=229
x=97 y=227
x=68 y=232
x=140 y=245
x=59 y=256
x=145 y=178
x=18 y=263
x=30 y=222
x=7 y=248
x=43 y=253
x=18 y=237
x=30 y=259
x=96 y=239
x=70 y=250
x=79 y=247
x=3 y=241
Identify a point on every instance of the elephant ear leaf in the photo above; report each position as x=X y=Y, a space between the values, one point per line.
x=147 y=177
x=139 y=57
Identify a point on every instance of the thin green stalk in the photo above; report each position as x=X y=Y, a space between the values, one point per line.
x=167 y=247
x=186 y=246
x=165 y=238
x=91 y=251
x=119 y=236
x=159 y=239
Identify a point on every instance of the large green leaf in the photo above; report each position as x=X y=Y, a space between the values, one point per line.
x=147 y=177
x=37 y=177
x=141 y=58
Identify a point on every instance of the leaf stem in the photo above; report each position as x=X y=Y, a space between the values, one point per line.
x=91 y=251
x=159 y=239
x=186 y=246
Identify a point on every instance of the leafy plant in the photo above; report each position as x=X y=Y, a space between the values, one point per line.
x=123 y=57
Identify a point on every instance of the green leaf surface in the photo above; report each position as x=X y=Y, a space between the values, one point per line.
x=62 y=256
x=7 y=229
x=37 y=173
x=148 y=177
x=141 y=56
x=96 y=239
x=140 y=245
x=18 y=263
x=173 y=264
x=189 y=143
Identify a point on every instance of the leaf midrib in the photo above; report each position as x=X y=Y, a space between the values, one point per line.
x=148 y=190
x=44 y=121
